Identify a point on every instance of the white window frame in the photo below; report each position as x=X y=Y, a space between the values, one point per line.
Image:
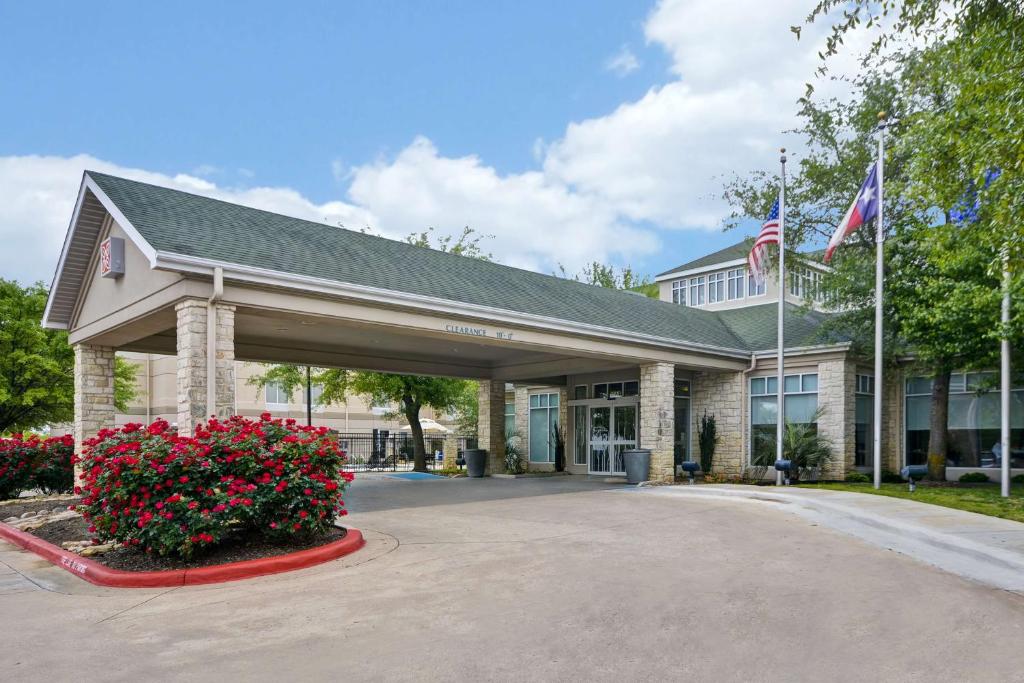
x=753 y=289
x=697 y=291
x=679 y=292
x=735 y=284
x=716 y=287
x=529 y=425
x=767 y=380
x=278 y=393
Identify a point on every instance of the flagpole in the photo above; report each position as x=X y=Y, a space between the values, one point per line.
x=780 y=419
x=879 y=292
x=1004 y=380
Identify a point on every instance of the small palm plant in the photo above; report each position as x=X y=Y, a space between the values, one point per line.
x=809 y=451
x=514 y=452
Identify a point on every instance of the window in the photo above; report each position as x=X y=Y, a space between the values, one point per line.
x=972 y=423
x=801 y=402
x=276 y=395
x=601 y=390
x=864 y=415
x=631 y=388
x=753 y=288
x=579 y=391
x=616 y=389
x=681 y=388
x=735 y=288
x=510 y=417
x=806 y=284
x=716 y=287
x=697 y=291
x=679 y=292
x=543 y=420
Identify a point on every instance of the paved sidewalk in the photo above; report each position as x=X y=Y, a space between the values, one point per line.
x=986 y=549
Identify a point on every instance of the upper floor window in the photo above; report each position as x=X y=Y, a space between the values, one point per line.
x=735 y=284
x=753 y=288
x=806 y=284
x=276 y=394
x=679 y=292
x=697 y=291
x=716 y=287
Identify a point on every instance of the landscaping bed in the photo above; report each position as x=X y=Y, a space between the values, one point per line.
x=19 y=506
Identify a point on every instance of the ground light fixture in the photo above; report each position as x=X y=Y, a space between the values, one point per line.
x=690 y=467
x=912 y=472
x=784 y=467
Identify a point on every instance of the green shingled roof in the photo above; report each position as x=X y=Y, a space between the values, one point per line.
x=176 y=222
x=736 y=251
x=758 y=325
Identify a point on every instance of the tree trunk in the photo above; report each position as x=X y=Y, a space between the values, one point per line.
x=412 y=415
x=938 y=424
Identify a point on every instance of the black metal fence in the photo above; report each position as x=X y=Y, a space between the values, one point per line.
x=387 y=451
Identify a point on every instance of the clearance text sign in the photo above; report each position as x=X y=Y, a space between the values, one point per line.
x=477 y=331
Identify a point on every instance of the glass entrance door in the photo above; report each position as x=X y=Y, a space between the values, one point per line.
x=681 y=441
x=612 y=431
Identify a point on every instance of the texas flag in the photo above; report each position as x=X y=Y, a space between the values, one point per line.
x=863 y=209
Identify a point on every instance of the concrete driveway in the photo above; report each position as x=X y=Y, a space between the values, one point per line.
x=553 y=579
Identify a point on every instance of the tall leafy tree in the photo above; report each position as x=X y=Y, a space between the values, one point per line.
x=610 y=277
x=960 y=65
x=932 y=307
x=409 y=393
x=37 y=365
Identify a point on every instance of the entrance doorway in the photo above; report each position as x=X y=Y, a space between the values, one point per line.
x=612 y=431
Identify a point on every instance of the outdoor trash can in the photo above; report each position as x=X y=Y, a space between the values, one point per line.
x=638 y=464
x=476 y=462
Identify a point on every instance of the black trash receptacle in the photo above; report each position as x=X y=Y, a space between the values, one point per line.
x=638 y=464
x=476 y=462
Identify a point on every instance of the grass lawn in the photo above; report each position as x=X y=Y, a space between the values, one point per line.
x=983 y=498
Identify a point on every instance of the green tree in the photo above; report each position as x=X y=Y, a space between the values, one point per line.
x=410 y=393
x=37 y=365
x=960 y=66
x=933 y=307
x=610 y=277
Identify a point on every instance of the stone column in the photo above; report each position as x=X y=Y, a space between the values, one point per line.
x=192 y=361
x=94 y=391
x=450 y=450
x=836 y=387
x=657 y=418
x=721 y=394
x=491 y=425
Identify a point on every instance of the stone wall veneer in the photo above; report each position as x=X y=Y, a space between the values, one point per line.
x=491 y=424
x=721 y=394
x=192 y=370
x=657 y=418
x=94 y=392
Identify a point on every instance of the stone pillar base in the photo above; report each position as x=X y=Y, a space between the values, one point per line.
x=94 y=392
x=491 y=425
x=657 y=418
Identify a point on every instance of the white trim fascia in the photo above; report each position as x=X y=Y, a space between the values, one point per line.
x=703 y=269
x=805 y=350
x=419 y=301
x=145 y=247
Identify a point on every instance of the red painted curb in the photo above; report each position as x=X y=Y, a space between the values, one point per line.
x=98 y=574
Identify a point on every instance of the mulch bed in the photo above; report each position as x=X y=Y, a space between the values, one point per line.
x=233 y=549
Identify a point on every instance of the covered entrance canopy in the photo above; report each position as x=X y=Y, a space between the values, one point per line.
x=150 y=269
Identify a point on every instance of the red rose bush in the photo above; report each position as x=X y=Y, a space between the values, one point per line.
x=174 y=495
x=32 y=462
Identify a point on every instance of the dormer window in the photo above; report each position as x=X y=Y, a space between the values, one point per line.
x=679 y=292
x=753 y=288
x=716 y=287
x=697 y=291
x=735 y=283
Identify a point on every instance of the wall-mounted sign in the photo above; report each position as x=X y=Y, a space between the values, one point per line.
x=474 y=331
x=112 y=257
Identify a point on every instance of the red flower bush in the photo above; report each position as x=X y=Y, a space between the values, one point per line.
x=35 y=463
x=168 y=494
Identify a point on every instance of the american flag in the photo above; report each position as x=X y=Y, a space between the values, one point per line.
x=769 y=235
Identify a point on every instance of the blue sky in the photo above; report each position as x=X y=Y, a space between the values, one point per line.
x=586 y=129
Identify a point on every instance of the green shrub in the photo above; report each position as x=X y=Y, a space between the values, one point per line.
x=890 y=477
x=1017 y=479
x=707 y=438
x=32 y=462
x=974 y=478
x=856 y=477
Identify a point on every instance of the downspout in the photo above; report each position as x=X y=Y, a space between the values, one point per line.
x=211 y=341
x=745 y=409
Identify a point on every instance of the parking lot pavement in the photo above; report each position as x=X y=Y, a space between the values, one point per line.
x=554 y=579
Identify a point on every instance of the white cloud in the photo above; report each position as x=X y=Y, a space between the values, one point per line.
x=37 y=196
x=535 y=223
x=623 y=62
